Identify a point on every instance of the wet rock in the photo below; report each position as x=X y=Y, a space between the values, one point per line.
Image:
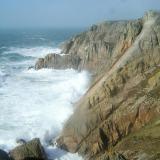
x=32 y=150
x=4 y=155
x=40 y=64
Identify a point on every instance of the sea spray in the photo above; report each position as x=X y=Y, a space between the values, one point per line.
x=35 y=103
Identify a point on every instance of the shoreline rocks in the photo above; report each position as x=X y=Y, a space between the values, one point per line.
x=30 y=150
x=58 y=61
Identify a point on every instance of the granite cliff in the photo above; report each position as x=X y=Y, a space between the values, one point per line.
x=119 y=116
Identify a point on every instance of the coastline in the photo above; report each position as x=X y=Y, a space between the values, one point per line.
x=117 y=104
x=121 y=107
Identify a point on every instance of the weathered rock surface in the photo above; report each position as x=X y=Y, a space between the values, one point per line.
x=126 y=97
x=96 y=49
x=4 y=155
x=31 y=150
x=143 y=144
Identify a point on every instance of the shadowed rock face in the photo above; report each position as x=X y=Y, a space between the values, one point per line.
x=124 y=56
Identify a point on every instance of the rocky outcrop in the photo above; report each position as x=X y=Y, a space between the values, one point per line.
x=31 y=150
x=4 y=155
x=125 y=98
x=103 y=44
x=96 y=49
x=57 y=61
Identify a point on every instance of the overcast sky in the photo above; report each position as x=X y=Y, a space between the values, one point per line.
x=69 y=13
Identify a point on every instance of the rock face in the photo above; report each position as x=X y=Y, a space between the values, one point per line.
x=31 y=150
x=124 y=57
x=126 y=97
x=103 y=44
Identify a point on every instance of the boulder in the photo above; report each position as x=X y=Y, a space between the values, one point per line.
x=4 y=155
x=31 y=150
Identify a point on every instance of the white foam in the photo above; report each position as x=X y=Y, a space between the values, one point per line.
x=1 y=73
x=33 y=51
x=3 y=47
x=57 y=154
x=37 y=103
x=2 y=77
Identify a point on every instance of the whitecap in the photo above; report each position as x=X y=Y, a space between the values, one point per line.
x=33 y=51
x=3 y=47
x=37 y=104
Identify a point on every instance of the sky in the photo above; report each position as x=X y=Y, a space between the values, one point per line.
x=69 y=13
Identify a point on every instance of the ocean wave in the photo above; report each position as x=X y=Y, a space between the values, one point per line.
x=37 y=38
x=39 y=98
x=16 y=57
x=32 y=51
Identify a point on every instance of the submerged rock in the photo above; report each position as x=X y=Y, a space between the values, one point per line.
x=31 y=150
x=4 y=155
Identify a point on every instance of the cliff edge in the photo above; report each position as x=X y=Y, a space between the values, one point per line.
x=120 y=113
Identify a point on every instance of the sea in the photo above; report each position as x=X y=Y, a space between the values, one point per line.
x=36 y=103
